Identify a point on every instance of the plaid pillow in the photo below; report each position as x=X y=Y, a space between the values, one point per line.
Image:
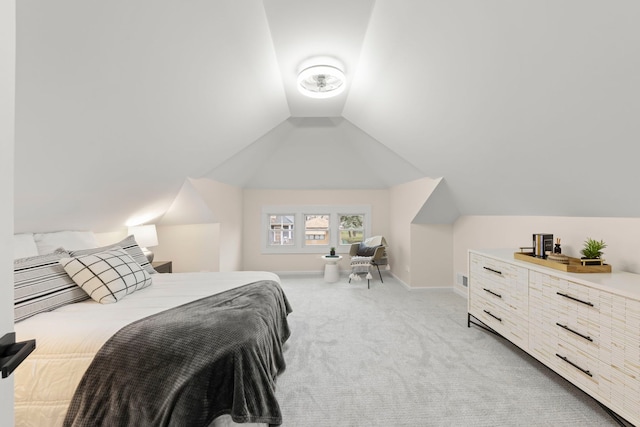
x=129 y=244
x=107 y=276
x=41 y=284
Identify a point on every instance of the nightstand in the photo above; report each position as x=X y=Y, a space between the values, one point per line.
x=162 y=266
x=331 y=272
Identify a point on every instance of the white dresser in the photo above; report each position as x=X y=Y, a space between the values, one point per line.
x=586 y=327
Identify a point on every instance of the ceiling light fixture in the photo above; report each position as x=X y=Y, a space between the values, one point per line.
x=321 y=81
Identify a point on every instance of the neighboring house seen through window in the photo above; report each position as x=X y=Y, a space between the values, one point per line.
x=316 y=229
x=281 y=229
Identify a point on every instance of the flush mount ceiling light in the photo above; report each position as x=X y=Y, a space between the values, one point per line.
x=321 y=81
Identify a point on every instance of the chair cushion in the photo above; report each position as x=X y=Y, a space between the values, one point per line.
x=364 y=250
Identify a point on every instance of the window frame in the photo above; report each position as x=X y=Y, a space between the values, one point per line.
x=299 y=212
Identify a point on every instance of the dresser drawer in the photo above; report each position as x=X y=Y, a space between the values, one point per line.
x=488 y=312
x=577 y=366
x=502 y=320
x=576 y=317
x=493 y=269
x=484 y=291
x=507 y=284
x=577 y=301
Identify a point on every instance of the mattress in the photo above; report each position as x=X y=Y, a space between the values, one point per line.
x=68 y=338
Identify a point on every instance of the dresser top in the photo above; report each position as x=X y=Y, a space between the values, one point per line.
x=617 y=282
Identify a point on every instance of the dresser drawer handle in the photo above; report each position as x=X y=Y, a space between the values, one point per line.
x=493 y=271
x=586 y=337
x=492 y=293
x=574 y=365
x=574 y=299
x=493 y=315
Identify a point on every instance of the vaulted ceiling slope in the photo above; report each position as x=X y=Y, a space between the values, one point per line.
x=118 y=102
x=524 y=107
x=316 y=153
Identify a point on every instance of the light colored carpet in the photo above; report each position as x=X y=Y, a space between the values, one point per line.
x=392 y=357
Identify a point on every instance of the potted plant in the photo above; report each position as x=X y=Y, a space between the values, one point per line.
x=332 y=252
x=592 y=251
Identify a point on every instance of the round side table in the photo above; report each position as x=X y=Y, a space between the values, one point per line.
x=331 y=272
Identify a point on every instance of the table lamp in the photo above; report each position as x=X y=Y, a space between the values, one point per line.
x=145 y=236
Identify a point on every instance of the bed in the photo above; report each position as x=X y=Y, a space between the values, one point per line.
x=71 y=336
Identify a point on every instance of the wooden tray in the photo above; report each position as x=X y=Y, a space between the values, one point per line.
x=574 y=266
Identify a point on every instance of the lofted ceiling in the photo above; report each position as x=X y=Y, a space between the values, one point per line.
x=523 y=107
x=338 y=154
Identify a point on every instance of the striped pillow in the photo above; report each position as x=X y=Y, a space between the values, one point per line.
x=41 y=284
x=107 y=276
x=129 y=244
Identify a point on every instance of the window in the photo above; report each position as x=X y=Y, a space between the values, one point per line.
x=316 y=230
x=281 y=230
x=351 y=228
x=325 y=226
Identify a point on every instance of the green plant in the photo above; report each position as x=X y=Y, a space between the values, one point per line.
x=592 y=248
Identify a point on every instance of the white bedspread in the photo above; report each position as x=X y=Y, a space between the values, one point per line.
x=69 y=337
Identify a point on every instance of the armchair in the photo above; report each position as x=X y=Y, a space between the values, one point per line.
x=364 y=255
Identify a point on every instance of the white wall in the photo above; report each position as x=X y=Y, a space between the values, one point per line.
x=413 y=247
x=477 y=232
x=111 y=237
x=212 y=246
x=189 y=247
x=7 y=134
x=255 y=199
x=431 y=255
x=226 y=203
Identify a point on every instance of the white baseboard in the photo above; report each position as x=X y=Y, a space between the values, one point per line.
x=461 y=292
x=419 y=288
x=401 y=281
x=344 y=274
x=300 y=273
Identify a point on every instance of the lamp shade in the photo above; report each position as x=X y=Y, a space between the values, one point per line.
x=145 y=235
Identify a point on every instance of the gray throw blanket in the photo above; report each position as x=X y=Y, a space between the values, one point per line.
x=190 y=364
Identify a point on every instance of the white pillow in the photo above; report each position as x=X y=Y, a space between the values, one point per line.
x=107 y=276
x=69 y=240
x=24 y=246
